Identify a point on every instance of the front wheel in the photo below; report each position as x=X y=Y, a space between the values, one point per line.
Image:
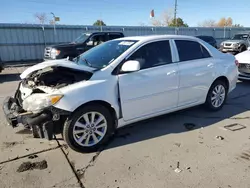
x=242 y=49
x=89 y=128
x=216 y=96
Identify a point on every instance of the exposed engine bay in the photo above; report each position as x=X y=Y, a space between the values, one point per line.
x=55 y=77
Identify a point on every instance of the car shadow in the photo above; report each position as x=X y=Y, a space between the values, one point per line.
x=184 y=120
x=9 y=77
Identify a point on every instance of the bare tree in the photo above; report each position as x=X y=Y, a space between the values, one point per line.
x=164 y=20
x=229 y=21
x=41 y=18
x=208 y=23
x=223 y=22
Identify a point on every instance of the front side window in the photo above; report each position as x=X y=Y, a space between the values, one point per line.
x=103 y=54
x=82 y=38
x=240 y=37
x=96 y=40
x=190 y=50
x=153 y=54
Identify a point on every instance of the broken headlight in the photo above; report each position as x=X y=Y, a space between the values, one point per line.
x=36 y=102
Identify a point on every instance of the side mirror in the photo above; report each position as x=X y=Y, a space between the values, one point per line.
x=131 y=66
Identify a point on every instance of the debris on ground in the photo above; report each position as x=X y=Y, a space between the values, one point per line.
x=234 y=127
x=177 y=144
x=178 y=170
x=11 y=144
x=189 y=126
x=25 y=166
x=32 y=156
x=219 y=137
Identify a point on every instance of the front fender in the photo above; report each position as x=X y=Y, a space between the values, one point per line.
x=80 y=93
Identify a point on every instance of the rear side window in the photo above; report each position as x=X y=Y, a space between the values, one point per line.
x=191 y=50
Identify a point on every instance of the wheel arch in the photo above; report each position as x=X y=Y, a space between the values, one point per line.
x=102 y=103
x=221 y=78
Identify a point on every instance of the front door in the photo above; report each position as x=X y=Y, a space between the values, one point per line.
x=154 y=88
x=196 y=68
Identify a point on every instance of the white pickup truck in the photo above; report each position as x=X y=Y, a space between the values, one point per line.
x=119 y=82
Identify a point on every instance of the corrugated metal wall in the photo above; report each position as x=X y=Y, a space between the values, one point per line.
x=23 y=42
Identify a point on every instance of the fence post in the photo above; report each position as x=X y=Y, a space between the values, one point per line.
x=44 y=37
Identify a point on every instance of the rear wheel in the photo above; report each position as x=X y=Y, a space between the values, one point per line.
x=89 y=128
x=217 y=95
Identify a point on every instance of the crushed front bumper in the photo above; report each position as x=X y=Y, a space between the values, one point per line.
x=43 y=122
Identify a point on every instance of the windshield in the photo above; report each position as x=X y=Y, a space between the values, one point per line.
x=240 y=36
x=103 y=54
x=82 y=38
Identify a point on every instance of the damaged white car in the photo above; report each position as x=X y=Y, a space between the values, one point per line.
x=117 y=83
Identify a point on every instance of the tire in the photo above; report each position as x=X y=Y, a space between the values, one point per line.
x=35 y=131
x=79 y=137
x=242 y=48
x=210 y=104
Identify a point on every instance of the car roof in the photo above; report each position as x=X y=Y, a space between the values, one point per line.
x=204 y=36
x=99 y=32
x=243 y=33
x=155 y=37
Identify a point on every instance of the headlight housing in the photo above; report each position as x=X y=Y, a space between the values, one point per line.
x=236 y=44
x=54 y=52
x=36 y=102
x=222 y=44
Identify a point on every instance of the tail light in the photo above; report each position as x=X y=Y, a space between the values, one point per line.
x=236 y=63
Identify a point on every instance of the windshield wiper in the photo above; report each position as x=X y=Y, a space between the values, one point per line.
x=87 y=62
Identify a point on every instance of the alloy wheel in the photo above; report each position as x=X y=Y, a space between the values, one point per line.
x=90 y=129
x=218 y=96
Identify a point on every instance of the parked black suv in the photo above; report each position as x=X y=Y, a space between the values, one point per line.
x=209 y=39
x=81 y=44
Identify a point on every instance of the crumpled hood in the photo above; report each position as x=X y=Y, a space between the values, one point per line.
x=232 y=41
x=243 y=57
x=55 y=63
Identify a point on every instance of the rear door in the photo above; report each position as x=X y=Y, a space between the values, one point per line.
x=154 y=88
x=196 y=68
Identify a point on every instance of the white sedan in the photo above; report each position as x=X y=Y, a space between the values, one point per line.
x=118 y=83
x=244 y=64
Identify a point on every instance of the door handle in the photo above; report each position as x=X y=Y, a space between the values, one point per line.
x=172 y=72
x=210 y=65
